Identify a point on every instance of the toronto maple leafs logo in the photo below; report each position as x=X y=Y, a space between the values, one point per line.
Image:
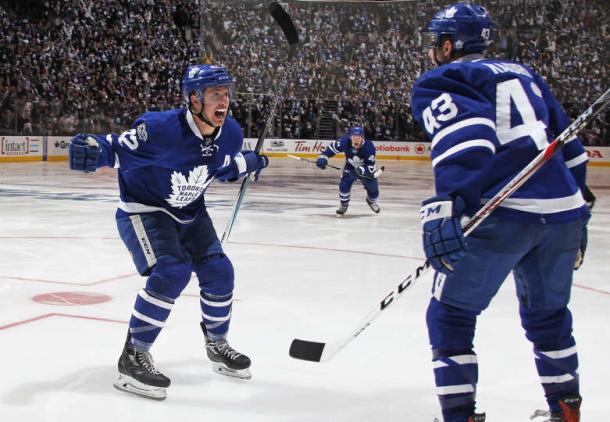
x=450 y=13
x=185 y=191
x=355 y=161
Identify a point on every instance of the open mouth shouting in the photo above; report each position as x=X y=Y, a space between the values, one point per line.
x=220 y=114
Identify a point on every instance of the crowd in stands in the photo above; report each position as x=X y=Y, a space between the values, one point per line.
x=93 y=66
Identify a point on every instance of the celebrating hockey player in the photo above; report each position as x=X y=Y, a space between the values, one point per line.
x=487 y=119
x=359 y=164
x=165 y=163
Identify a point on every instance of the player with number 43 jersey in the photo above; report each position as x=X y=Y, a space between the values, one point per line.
x=487 y=119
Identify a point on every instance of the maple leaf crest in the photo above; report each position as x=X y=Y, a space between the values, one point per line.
x=185 y=191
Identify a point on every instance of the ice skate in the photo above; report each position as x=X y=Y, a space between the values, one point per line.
x=138 y=375
x=341 y=210
x=226 y=360
x=570 y=411
x=373 y=206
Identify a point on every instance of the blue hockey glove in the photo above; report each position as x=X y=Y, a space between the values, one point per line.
x=83 y=152
x=363 y=171
x=322 y=161
x=261 y=162
x=444 y=243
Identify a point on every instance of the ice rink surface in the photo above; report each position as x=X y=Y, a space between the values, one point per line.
x=300 y=272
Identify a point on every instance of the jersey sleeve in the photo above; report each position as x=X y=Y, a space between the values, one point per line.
x=242 y=161
x=336 y=147
x=131 y=149
x=369 y=156
x=574 y=153
x=460 y=122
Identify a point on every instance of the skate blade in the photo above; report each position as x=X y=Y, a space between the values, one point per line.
x=126 y=383
x=221 y=369
x=340 y=215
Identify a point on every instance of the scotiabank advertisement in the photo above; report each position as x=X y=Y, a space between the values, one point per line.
x=43 y=148
x=598 y=155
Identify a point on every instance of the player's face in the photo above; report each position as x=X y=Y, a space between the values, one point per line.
x=357 y=141
x=216 y=104
x=441 y=55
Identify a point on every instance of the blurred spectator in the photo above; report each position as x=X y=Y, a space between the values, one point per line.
x=68 y=66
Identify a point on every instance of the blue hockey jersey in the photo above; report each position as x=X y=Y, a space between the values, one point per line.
x=165 y=164
x=354 y=158
x=487 y=119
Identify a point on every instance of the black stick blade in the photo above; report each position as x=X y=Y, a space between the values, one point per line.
x=284 y=21
x=306 y=350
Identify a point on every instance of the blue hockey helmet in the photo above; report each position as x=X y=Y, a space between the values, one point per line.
x=468 y=25
x=357 y=130
x=202 y=76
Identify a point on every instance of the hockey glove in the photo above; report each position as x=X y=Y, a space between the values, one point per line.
x=83 y=152
x=444 y=243
x=322 y=161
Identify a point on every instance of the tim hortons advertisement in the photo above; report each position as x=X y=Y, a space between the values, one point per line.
x=21 y=148
x=57 y=147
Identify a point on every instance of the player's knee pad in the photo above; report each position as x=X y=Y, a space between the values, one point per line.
x=450 y=328
x=345 y=185
x=169 y=276
x=215 y=274
x=372 y=193
x=547 y=327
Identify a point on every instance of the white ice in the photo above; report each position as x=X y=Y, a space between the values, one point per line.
x=300 y=272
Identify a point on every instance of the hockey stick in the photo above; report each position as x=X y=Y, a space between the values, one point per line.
x=290 y=32
x=376 y=174
x=318 y=352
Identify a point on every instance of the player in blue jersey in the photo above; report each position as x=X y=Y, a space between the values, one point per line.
x=487 y=119
x=165 y=163
x=359 y=164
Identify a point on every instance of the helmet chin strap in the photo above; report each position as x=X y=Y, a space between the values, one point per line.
x=201 y=115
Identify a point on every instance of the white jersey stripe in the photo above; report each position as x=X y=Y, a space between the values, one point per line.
x=455 y=389
x=216 y=304
x=543 y=206
x=582 y=158
x=484 y=143
x=148 y=319
x=556 y=379
x=212 y=318
x=136 y=207
x=157 y=302
x=560 y=354
x=460 y=360
x=460 y=125
x=465 y=359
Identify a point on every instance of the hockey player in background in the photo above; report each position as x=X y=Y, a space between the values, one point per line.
x=359 y=164
x=487 y=119
x=165 y=163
